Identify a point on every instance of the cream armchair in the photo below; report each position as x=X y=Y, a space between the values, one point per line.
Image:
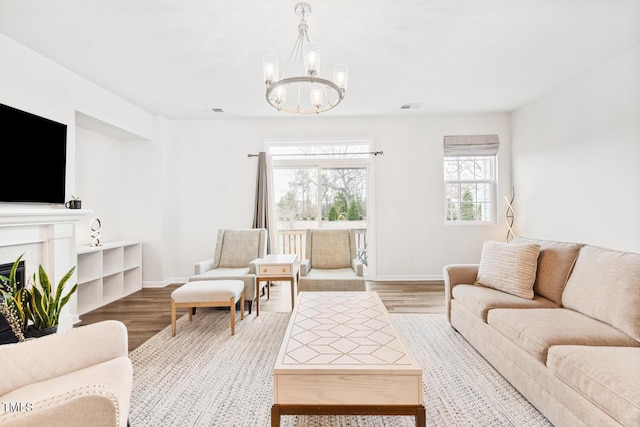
x=80 y=377
x=235 y=258
x=330 y=262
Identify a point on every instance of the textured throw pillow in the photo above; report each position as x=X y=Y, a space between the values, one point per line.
x=509 y=267
x=555 y=263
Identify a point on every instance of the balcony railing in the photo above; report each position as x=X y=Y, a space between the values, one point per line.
x=294 y=242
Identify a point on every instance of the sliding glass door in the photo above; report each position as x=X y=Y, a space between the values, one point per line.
x=320 y=186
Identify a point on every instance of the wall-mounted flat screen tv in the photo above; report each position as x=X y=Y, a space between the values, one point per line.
x=33 y=150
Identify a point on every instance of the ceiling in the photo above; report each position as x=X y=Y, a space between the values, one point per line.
x=181 y=58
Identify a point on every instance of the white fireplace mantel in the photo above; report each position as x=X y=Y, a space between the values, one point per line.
x=45 y=236
x=24 y=216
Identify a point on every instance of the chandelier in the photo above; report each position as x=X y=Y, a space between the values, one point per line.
x=301 y=88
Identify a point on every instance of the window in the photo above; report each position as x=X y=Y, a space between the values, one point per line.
x=319 y=184
x=470 y=178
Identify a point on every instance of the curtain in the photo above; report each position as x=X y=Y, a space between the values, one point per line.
x=261 y=212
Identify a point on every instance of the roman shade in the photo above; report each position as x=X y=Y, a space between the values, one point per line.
x=471 y=145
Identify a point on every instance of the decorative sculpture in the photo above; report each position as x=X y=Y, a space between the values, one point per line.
x=95 y=226
x=510 y=214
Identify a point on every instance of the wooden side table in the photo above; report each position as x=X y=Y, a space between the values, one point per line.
x=277 y=267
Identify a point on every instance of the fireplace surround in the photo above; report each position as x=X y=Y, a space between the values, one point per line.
x=44 y=236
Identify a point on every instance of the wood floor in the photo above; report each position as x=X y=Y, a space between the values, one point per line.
x=148 y=311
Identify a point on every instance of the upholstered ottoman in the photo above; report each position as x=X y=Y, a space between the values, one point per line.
x=208 y=293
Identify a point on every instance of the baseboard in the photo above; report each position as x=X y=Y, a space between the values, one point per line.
x=420 y=278
x=164 y=283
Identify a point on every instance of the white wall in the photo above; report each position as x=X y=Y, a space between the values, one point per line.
x=576 y=159
x=215 y=184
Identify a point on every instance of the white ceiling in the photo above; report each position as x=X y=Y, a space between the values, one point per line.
x=180 y=58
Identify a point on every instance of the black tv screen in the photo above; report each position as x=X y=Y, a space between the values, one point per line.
x=34 y=158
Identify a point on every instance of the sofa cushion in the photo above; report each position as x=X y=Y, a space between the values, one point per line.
x=605 y=285
x=607 y=376
x=555 y=263
x=537 y=329
x=509 y=267
x=479 y=300
x=330 y=249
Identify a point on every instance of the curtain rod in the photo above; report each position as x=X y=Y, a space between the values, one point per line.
x=375 y=153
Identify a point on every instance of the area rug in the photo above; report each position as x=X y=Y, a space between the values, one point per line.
x=205 y=377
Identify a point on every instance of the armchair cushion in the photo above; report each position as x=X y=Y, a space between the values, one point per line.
x=336 y=279
x=330 y=249
x=239 y=248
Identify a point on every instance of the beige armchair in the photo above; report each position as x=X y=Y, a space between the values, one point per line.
x=80 y=377
x=235 y=258
x=330 y=262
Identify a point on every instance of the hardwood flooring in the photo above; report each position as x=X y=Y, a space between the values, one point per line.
x=148 y=311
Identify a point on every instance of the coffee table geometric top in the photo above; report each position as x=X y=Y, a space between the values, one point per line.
x=344 y=330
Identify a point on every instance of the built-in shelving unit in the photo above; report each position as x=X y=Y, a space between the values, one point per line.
x=107 y=273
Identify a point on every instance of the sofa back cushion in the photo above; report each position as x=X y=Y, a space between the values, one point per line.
x=605 y=285
x=509 y=267
x=555 y=262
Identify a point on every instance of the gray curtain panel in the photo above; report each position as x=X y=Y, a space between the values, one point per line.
x=261 y=213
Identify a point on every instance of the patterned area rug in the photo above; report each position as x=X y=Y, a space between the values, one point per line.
x=205 y=377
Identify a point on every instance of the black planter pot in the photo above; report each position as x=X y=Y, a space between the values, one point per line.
x=8 y=337
x=37 y=333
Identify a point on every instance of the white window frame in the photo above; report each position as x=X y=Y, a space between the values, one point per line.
x=493 y=185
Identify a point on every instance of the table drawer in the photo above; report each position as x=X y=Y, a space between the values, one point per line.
x=275 y=270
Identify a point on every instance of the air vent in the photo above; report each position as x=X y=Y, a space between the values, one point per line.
x=217 y=110
x=410 y=106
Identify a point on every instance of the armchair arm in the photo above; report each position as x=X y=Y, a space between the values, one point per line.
x=305 y=267
x=204 y=266
x=357 y=266
x=253 y=266
x=58 y=354
x=456 y=274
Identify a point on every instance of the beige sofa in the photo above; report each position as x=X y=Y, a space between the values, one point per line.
x=573 y=349
x=80 y=377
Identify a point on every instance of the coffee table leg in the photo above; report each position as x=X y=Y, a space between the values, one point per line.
x=275 y=416
x=293 y=296
x=421 y=417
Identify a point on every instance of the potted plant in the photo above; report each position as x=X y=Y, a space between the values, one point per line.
x=13 y=302
x=34 y=310
x=44 y=303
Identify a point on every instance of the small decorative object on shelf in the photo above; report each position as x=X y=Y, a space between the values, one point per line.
x=74 y=203
x=95 y=226
x=510 y=215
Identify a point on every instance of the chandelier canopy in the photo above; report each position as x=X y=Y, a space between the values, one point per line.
x=301 y=88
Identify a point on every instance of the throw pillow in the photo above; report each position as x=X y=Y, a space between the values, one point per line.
x=509 y=267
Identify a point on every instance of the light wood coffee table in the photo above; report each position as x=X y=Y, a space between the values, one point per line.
x=342 y=355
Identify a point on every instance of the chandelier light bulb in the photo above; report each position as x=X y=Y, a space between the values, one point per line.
x=341 y=75
x=270 y=68
x=316 y=93
x=281 y=95
x=311 y=58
